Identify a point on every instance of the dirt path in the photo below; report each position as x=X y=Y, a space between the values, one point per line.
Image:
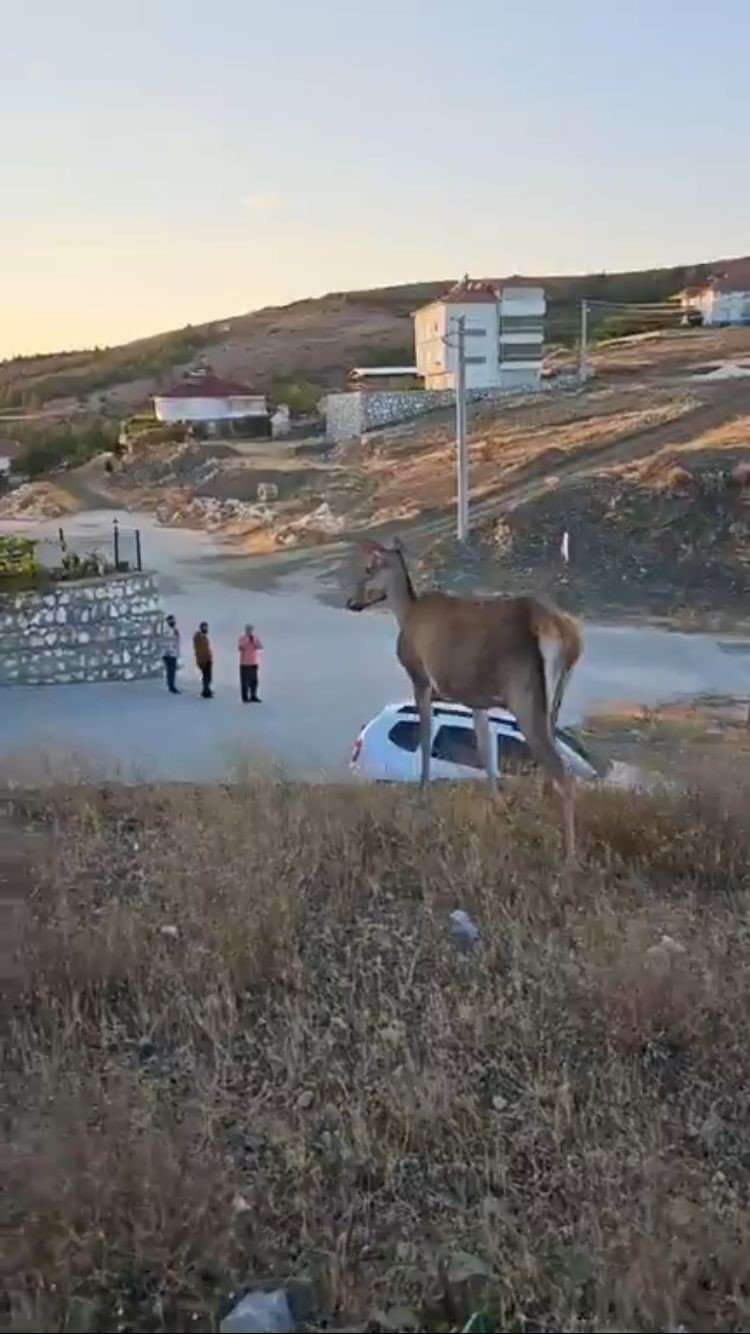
x=726 y=403
x=87 y=487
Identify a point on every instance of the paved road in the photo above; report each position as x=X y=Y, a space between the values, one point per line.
x=325 y=672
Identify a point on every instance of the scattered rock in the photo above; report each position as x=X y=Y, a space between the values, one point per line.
x=465 y=932
x=464 y=1266
x=399 y=1318
x=38 y=500
x=300 y=1293
x=665 y=951
x=305 y=1100
x=170 y=931
x=671 y=945
x=712 y=1132
x=260 y=1313
x=146 y=1049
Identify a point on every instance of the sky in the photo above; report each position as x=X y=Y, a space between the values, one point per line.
x=173 y=161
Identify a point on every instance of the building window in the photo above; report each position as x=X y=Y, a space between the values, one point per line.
x=475 y=333
x=475 y=361
x=520 y=352
x=528 y=324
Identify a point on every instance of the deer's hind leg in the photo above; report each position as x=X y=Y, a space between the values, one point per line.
x=486 y=746
x=527 y=697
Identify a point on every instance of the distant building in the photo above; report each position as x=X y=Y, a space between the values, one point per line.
x=205 y=397
x=724 y=298
x=8 y=451
x=504 y=324
x=281 y=422
x=384 y=377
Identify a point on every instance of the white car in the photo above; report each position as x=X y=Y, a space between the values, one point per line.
x=387 y=749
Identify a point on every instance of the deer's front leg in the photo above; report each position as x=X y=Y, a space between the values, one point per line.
x=423 y=697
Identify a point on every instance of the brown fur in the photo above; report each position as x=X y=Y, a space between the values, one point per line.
x=479 y=652
x=500 y=634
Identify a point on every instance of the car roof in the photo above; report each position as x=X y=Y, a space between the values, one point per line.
x=407 y=710
x=448 y=710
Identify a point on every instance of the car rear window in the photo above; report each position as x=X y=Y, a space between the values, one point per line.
x=574 y=744
x=457 y=745
x=405 y=736
x=513 y=754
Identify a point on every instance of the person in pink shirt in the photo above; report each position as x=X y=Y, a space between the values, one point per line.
x=249 y=647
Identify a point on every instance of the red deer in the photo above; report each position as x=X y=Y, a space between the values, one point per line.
x=482 y=653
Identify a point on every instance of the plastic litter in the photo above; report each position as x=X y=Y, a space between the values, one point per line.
x=260 y=1313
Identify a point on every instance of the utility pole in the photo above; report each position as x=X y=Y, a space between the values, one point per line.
x=462 y=453
x=583 y=356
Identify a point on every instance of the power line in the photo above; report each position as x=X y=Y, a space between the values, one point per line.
x=666 y=306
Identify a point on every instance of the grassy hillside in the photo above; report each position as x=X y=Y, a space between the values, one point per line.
x=274 y=349
x=239 y=1043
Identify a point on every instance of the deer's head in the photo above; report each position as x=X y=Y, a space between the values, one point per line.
x=385 y=577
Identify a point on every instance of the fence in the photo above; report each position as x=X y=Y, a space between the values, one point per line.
x=119 y=550
x=126 y=547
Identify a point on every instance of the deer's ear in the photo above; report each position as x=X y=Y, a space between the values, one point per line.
x=397 y=544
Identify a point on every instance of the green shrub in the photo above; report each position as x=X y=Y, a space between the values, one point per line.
x=48 y=445
x=19 y=568
x=300 y=396
x=17 y=557
x=144 y=429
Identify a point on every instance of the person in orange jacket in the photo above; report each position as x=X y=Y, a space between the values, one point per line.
x=204 y=659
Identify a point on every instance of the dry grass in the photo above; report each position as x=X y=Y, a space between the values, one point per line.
x=301 y=1074
x=517 y=443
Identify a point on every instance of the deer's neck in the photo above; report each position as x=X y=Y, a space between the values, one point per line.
x=401 y=598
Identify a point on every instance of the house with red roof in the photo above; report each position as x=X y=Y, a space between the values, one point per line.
x=504 y=334
x=202 y=396
x=724 y=298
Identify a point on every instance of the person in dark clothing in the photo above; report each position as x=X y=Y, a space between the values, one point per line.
x=171 y=654
x=204 y=659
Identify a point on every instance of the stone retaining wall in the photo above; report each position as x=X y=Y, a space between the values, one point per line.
x=107 y=629
x=351 y=415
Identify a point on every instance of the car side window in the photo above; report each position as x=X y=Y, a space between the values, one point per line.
x=457 y=745
x=405 y=736
x=513 y=755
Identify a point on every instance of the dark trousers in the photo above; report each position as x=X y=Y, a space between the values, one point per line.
x=248 y=682
x=207 y=672
x=170 y=664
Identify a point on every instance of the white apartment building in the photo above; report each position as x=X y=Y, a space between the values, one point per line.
x=504 y=325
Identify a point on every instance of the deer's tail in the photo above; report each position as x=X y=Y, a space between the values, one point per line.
x=560 y=644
